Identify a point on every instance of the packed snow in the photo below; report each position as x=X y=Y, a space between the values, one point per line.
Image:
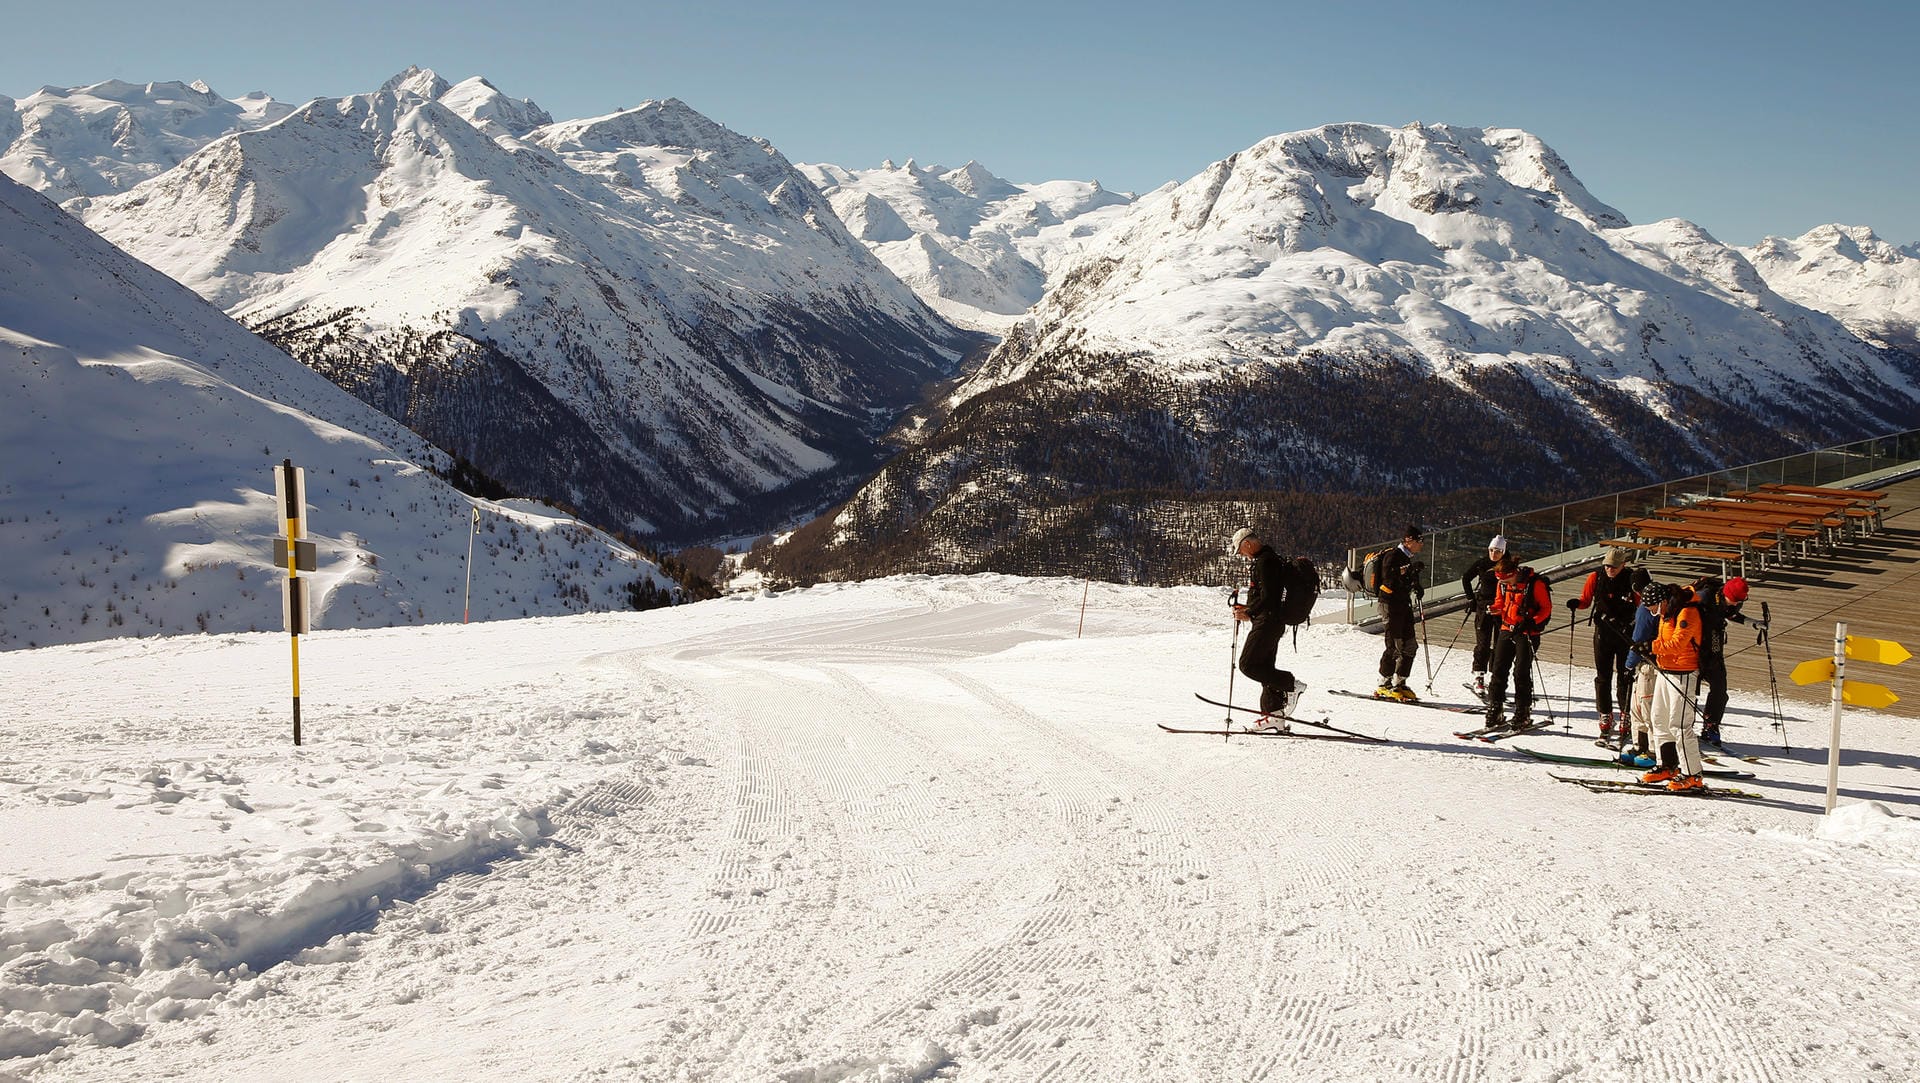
x=913 y=828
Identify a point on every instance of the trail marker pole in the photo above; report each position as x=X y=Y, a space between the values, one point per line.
x=290 y=496
x=467 y=607
x=1083 y=607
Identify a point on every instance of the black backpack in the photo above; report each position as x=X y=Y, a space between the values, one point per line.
x=1303 y=590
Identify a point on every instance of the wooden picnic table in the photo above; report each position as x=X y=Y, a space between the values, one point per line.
x=1786 y=526
x=1816 y=490
x=1757 y=541
x=1724 y=557
x=1856 y=506
x=1831 y=525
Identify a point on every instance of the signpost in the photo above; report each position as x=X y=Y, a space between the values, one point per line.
x=1858 y=693
x=290 y=496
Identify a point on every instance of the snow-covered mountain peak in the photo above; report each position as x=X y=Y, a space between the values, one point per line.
x=974 y=180
x=422 y=82
x=669 y=123
x=107 y=137
x=646 y=316
x=975 y=247
x=483 y=105
x=1850 y=271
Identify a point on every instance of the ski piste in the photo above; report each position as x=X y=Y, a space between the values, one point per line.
x=1592 y=761
x=1456 y=708
x=1608 y=785
x=1490 y=734
x=1298 y=721
x=1352 y=740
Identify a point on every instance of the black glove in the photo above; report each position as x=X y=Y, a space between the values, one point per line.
x=1418 y=594
x=1573 y=603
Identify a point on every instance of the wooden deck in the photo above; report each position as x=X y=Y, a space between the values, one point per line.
x=1872 y=583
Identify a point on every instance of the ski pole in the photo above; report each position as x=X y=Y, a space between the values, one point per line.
x=1426 y=653
x=1540 y=678
x=1569 y=699
x=1465 y=616
x=1233 y=655
x=1773 y=684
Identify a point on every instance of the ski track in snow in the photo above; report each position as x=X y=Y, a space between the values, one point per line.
x=916 y=829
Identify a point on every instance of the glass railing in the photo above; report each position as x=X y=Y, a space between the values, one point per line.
x=1571 y=535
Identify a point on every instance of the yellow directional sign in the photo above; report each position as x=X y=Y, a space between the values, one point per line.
x=1884 y=651
x=1813 y=672
x=1862 y=694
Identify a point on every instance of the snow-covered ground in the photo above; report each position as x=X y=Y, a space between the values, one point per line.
x=914 y=828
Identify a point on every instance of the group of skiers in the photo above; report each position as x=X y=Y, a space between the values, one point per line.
x=1654 y=645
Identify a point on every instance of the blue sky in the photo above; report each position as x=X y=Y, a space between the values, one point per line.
x=1748 y=118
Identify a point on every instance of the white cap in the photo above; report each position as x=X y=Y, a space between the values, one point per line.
x=1239 y=536
x=1498 y=544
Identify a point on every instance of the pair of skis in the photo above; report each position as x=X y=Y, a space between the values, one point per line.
x=1333 y=733
x=1608 y=785
x=1488 y=734
x=1592 y=761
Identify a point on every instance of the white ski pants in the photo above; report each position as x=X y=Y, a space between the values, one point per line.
x=1645 y=676
x=1673 y=699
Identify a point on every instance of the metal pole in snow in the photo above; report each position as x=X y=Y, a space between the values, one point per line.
x=466 y=611
x=1083 y=606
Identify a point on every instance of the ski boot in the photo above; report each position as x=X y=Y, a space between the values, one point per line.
x=1293 y=699
x=1607 y=728
x=1404 y=694
x=1710 y=735
x=1660 y=774
x=1688 y=784
x=1272 y=723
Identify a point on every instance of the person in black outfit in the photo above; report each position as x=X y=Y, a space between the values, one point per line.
x=1609 y=593
x=1400 y=589
x=1477 y=586
x=1719 y=604
x=1265 y=593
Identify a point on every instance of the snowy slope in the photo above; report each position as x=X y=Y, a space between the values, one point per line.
x=903 y=830
x=105 y=138
x=1359 y=309
x=976 y=248
x=644 y=315
x=1849 y=272
x=139 y=430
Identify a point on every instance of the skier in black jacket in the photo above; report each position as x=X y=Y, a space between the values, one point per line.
x=1478 y=586
x=1266 y=592
x=1609 y=592
x=1399 y=589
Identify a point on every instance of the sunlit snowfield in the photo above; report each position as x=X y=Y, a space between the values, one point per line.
x=907 y=829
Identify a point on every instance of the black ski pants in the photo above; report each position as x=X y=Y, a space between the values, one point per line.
x=1257 y=661
x=1396 y=660
x=1713 y=671
x=1485 y=627
x=1513 y=655
x=1610 y=672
